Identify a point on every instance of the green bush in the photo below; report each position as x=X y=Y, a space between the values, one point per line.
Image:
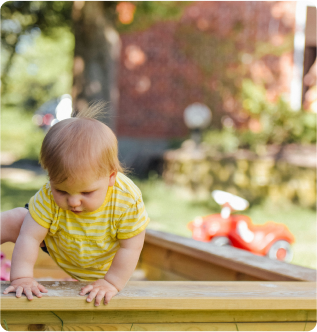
x=277 y=124
x=225 y=140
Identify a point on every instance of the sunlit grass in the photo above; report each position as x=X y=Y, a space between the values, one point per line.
x=170 y=210
x=17 y=194
x=19 y=135
x=300 y=221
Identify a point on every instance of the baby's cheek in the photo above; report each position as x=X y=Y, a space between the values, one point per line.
x=60 y=202
x=95 y=203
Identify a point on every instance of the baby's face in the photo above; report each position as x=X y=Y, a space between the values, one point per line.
x=82 y=195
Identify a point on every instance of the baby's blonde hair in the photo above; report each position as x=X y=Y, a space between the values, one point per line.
x=78 y=145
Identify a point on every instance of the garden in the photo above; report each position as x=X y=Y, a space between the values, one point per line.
x=278 y=188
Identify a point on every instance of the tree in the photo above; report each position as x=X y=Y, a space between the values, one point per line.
x=95 y=25
x=96 y=55
x=21 y=18
x=97 y=44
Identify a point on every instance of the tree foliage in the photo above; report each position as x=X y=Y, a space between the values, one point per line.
x=269 y=123
x=22 y=21
x=46 y=27
x=147 y=13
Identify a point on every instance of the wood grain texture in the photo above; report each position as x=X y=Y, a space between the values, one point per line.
x=155 y=273
x=44 y=268
x=43 y=259
x=82 y=327
x=164 y=264
x=227 y=257
x=273 y=326
x=160 y=316
x=177 y=295
x=50 y=274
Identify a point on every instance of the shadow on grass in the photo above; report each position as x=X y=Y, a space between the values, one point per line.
x=15 y=195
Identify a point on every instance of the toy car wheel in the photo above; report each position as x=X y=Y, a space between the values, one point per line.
x=281 y=250
x=220 y=241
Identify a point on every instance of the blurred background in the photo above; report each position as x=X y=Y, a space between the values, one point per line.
x=202 y=96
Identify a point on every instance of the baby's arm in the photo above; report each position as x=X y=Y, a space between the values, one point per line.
x=125 y=261
x=121 y=269
x=23 y=259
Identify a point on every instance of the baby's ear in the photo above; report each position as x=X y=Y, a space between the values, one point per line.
x=112 y=178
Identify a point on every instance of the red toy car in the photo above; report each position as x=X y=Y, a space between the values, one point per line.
x=271 y=239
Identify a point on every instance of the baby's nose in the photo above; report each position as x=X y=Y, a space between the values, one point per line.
x=74 y=202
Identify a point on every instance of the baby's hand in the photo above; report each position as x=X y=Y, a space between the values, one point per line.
x=26 y=286
x=99 y=289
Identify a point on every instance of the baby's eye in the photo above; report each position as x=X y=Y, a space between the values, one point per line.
x=61 y=191
x=87 y=193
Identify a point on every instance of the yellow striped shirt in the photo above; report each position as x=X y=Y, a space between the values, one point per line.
x=84 y=245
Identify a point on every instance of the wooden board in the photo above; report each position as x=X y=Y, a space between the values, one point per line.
x=164 y=264
x=177 y=295
x=156 y=316
x=179 y=305
x=293 y=326
x=167 y=306
x=44 y=268
x=195 y=260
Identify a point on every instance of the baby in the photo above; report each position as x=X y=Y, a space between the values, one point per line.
x=89 y=217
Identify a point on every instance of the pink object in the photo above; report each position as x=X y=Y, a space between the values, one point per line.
x=5 y=268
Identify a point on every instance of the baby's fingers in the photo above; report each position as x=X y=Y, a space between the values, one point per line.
x=28 y=293
x=92 y=295
x=19 y=291
x=109 y=295
x=9 y=290
x=42 y=288
x=36 y=291
x=99 y=297
x=86 y=289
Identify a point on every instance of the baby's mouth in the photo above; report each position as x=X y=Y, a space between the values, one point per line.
x=76 y=211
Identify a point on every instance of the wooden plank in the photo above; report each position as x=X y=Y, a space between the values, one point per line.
x=290 y=326
x=178 y=316
x=178 y=295
x=43 y=260
x=44 y=268
x=42 y=273
x=154 y=273
x=178 y=264
x=160 y=316
x=230 y=258
x=82 y=327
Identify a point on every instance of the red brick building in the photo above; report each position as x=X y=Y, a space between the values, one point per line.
x=203 y=57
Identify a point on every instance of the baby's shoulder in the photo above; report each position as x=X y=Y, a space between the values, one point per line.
x=45 y=190
x=126 y=187
x=43 y=201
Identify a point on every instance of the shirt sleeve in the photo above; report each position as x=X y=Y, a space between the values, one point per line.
x=41 y=206
x=133 y=221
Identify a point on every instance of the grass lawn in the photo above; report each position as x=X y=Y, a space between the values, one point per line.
x=19 y=135
x=170 y=210
x=15 y=194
